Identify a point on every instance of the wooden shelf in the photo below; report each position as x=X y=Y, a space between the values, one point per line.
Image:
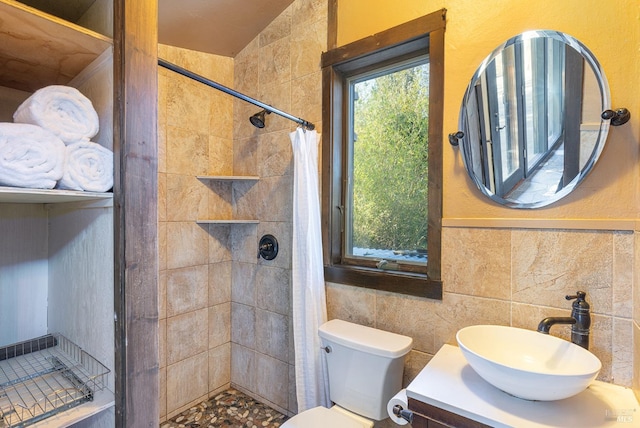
x=229 y=177
x=47 y=196
x=38 y=49
x=228 y=221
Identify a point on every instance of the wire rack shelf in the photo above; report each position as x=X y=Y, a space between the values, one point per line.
x=45 y=376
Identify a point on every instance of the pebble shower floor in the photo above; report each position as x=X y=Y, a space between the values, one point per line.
x=230 y=408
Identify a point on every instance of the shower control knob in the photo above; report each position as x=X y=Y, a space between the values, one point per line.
x=326 y=349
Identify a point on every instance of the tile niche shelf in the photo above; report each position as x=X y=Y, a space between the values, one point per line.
x=231 y=178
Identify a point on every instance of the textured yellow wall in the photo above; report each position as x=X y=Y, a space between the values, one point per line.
x=474 y=29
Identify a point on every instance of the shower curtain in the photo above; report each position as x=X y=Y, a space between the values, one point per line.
x=309 y=301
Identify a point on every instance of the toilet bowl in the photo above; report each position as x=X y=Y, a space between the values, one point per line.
x=365 y=367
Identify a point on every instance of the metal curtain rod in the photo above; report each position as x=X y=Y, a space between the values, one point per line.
x=308 y=125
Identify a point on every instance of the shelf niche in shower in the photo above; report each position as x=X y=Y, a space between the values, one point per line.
x=232 y=178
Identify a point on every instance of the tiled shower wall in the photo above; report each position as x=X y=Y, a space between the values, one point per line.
x=280 y=67
x=195 y=138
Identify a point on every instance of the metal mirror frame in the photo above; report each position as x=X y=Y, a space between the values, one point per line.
x=593 y=63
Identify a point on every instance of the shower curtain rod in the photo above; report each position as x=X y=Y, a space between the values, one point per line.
x=175 y=68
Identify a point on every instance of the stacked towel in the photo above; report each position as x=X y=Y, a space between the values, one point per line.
x=63 y=110
x=30 y=156
x=89 y=167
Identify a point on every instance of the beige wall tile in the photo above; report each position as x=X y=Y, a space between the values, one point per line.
x=188 y=104
x=219 y=196
x=275 y=62
x=273 y=289
x=272 y=334
x=220 y=156
x=219 y=240
x=244 y=243
x=243 y=289
x=275 y=154
x=353 y=304
x=306 y=98
x=413 y=317
x=549 y=264
x=162 y=246
x=623 y=274
x=162 y=197
x=414 y=362
x=187 y=151
x=221 y=123
x=457 y=311
x=162 y=294
x=219 y=325
x=245 y=161
x=308 y=41
x=163 y=392
x=186 y=198
x=276 y=201
x=309 y=10
x=270 y=373
x=278 y=29
x=243 y=367
x=622 y=352
x=243 y=325
x=162 y=342
x=187 y=245
x=219 y=283
x=219 y=366
x=246 y=197
x=186 y=288
x=187 y=380
x=187 y=335
x=477 y=262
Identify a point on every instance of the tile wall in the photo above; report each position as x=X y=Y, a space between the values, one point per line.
x=514 y=277
x=280 y=67
x=195 y=138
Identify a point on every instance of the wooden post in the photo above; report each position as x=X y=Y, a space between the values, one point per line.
x=135 y=212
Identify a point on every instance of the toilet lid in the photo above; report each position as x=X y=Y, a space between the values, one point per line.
x=321 y=417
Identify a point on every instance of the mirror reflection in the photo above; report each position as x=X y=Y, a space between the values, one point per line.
x=531 y=119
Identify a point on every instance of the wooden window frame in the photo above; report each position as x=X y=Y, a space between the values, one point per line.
x=416 y=37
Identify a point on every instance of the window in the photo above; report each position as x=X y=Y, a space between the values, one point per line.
x=382 y=155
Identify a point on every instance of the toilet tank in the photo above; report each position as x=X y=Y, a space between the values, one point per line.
x=365 y=366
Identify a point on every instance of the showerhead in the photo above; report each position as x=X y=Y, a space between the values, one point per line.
x=257 y=119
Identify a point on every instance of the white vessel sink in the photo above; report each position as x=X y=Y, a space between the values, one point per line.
x=528 y=364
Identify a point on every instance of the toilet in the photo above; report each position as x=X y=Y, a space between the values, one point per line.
x=365 y=368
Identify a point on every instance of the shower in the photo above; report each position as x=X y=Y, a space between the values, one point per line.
x=257 y=119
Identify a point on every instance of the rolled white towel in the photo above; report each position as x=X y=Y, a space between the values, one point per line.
x=30 y=156
x=89 y=167
x=63 y=110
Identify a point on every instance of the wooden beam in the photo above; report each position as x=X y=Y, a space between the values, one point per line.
x=135 y=206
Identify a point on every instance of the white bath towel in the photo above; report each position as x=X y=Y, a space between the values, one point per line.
x=89 y=167
x=30 y=156
x=63 y=110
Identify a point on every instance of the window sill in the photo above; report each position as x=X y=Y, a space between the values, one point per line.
x=392 y=281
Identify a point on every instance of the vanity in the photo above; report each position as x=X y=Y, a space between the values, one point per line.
x=449 y=393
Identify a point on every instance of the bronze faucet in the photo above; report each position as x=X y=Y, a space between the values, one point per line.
x=580 y=320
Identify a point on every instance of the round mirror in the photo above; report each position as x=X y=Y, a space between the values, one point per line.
x=531 y=119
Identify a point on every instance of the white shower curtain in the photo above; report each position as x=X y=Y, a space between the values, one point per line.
x=309 y=301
